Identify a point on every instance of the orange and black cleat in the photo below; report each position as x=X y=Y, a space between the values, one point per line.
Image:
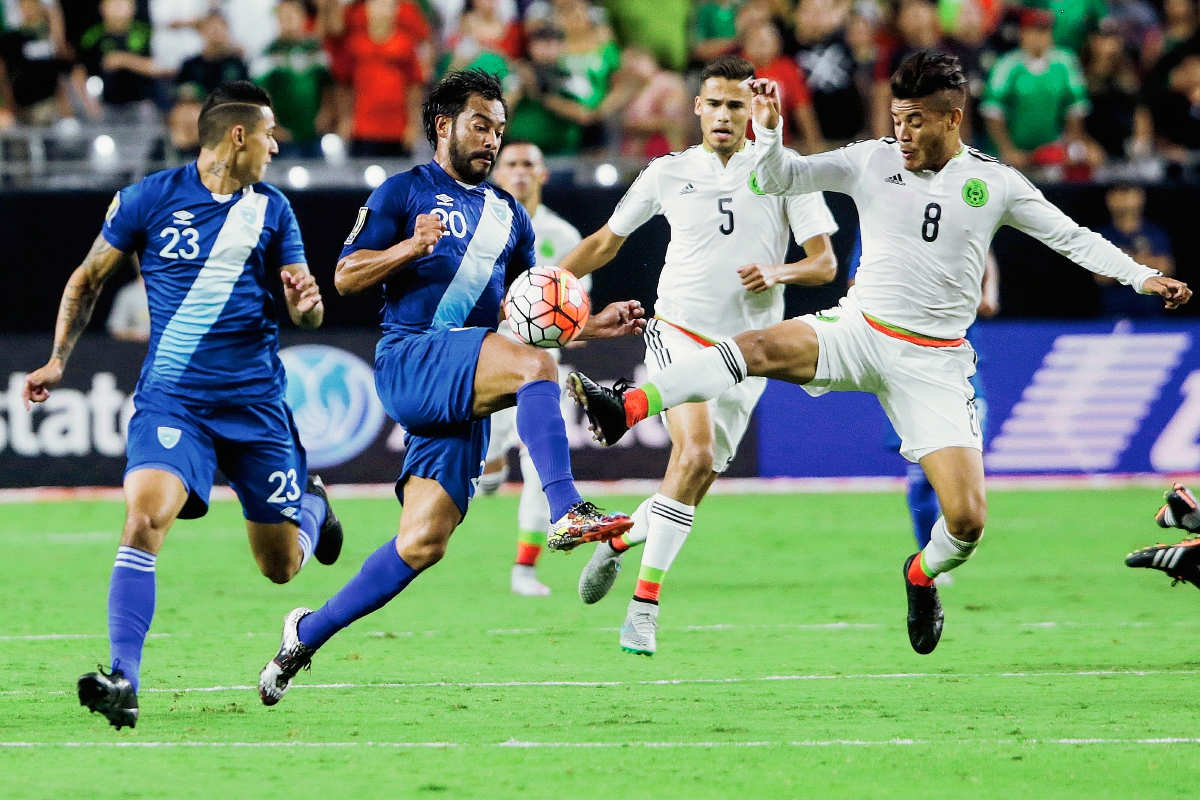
x=1180 y=561
x=1180 y=511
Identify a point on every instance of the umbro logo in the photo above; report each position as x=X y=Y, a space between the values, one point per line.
x=444 y=200
x=897 y=179
x=183 y=216
x=687 y=189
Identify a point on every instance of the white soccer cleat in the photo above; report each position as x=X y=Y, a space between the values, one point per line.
x=525 y=582
x=599 y=573
x=638 y=632
x=293 y=656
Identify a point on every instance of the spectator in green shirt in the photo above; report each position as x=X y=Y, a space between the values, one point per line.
x=1035 y=95
x=660 y=26
x=1073 y=20
x=295 y=70
x=714 y=32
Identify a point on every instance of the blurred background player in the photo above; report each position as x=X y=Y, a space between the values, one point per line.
x=521 y=171
x=211 y=392
x=1180 y=561
x=724 y=274
x=440 y=242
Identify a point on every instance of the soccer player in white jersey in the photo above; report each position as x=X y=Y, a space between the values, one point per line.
x=724 y=274
x=521 y=171
x=929 y=206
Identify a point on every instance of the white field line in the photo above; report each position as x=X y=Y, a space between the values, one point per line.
x=1096 y=481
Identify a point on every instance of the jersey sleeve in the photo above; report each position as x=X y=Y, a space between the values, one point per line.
x=784 y=172
x=1029 y=211
x=124 y=227
x=638 y=205
x=383 y=220
x=524 y=255
x=808 y=216
x=286 y=245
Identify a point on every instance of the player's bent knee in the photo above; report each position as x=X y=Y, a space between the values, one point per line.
x=143 y=531
x=966 y=522
x=695 y=461
x=539 y=366
x=280 y=571
x=421 y=549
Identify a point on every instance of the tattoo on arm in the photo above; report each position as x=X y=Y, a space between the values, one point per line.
x=79 y=298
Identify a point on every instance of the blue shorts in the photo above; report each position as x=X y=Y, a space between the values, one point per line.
x=427 y=384
x=256 y=446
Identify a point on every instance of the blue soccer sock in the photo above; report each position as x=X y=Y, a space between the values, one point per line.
x=312 y=517
x=130 y=609
x=544 y=434
x=922 y=504
x=382 y=576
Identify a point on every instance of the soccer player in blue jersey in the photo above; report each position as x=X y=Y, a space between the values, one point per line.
x=440 y=242
x=208 y=236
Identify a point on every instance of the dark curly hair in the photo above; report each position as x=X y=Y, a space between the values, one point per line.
x=923 y=75
x=450 y=96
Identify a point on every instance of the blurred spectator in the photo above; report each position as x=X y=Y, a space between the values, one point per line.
x=1144 y=242
x=1179 y=25
x=589 y=58
x=1072 y=20
x=1136 y=22
x=118 y=50
x=294 y=70
x=1118 y=121
x=16 y=17
x=183 y=125
x=969 y=21
x=175 y=37
x=129 y=318
x=714 y=31
x=1177 y=111
x=484 y=29
x=32 y=74
x=386 y=79
x=1036 y=96
x=218 y=62
x=917 y=26
x=763 y=48
x=449 y=13
x=655 y=121
x=542 y=80
x=830 y=68
x=252 y=25
x=660 y=26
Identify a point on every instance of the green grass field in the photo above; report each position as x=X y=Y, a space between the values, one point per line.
x=784 y=668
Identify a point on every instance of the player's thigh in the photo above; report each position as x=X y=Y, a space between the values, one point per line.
x=427 y=382
x=956 y=474
x=165 y=437
x=153 y=500
x=453 y=458
x=429 y=518
x=259 y=451
x=504 y=367
x=787 y=351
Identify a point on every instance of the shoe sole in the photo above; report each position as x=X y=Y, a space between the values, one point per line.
x=596 y=533
x=598 y=584
x=637 y=652
x=577 y=392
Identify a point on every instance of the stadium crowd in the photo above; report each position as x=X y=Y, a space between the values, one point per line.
x=1065 y=84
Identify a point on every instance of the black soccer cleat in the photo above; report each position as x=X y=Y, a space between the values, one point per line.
x=1180 y=511
x=293 y=656
x=112 y=695
x=925 y=615
x=605 y=408
x=1180 y=561
x=329 y=546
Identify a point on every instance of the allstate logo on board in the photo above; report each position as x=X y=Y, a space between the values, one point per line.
x=332 y=396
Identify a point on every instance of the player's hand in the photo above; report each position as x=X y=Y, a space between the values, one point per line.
x=759 y=277
x=427 y=232
x=1176 y=293
x=300 y=290
x=39 y=382
x=764 y=103
x=623 y=318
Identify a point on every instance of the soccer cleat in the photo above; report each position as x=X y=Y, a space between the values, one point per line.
x=638 y=632
x=925 y=615
x=1180 y=511
x=585 y=523
x=1180 y=561
x=525 y=582
x=605 y=408
x=293 y=656
x=329 y=546
x=599 y=573
x=112 y=695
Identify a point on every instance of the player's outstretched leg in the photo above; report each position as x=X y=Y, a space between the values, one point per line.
x=600 y=572
x=1180 y=561
x=533 y=520
x=1180 y=510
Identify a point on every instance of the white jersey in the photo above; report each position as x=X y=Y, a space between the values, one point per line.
x=720 y=221
x=925 y=235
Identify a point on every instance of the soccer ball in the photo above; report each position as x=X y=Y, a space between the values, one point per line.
x=546 y=307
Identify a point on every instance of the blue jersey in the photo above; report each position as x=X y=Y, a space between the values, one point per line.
x=205 y=258
x=460 y=284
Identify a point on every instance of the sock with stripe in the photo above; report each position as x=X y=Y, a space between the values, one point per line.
x=669 y=524
x=922 y=504
x=529 y=547
x=699 y=377
x=942 y=554
x=383 y=576
x=312 y=517
x=638 y=533
x=131 y=595
x=544 y=434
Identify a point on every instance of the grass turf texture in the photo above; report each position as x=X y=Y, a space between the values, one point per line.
x=803 y=585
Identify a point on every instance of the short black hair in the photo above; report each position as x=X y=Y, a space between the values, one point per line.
x=734 y=68
x=449 y=97
x=925 y=74
x=231 y=103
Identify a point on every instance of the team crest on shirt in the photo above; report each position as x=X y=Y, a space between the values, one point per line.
x=358 y=225
x=753 y=184
x=250 y=214
x=975 y=193
x=168 y=437
x=546 y=249
x=113 y=207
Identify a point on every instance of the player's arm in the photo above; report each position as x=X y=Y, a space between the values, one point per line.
x=1031 y=212
x=74 y=313
x=782 y=172
x=819 y=266
x=593 y=252
x=303 y=296
x=364 y=269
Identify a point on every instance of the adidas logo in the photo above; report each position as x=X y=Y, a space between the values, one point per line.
x=687 y=189
x=444 y=200
x=897 y=179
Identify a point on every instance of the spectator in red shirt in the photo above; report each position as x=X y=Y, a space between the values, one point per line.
x=763 y=47
x=483 y=29
x=386 y=79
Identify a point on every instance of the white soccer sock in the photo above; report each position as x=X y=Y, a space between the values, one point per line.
x=533 y=513
x=670 y=523
x=944 y=552
x=306 y=546
x=641 y=524
x=701 y=376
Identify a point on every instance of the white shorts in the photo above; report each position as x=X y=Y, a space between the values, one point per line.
x=925 y=391
x=731 y=411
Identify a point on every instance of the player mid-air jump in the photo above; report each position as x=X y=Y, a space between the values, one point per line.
x=211 y=394
x=929 y=206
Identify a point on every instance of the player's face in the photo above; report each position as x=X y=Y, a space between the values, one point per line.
x=724 y=109
x=520 y=171
x=260 y=146
x=928 y=137
x=473 y=138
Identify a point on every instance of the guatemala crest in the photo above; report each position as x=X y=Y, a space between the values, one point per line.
x=753 y=183
x=975 y=193
x=168 y=437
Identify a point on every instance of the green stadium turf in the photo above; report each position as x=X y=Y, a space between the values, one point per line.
x=784 y=668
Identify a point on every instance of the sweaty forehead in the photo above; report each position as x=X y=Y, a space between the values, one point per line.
x=492 y=110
